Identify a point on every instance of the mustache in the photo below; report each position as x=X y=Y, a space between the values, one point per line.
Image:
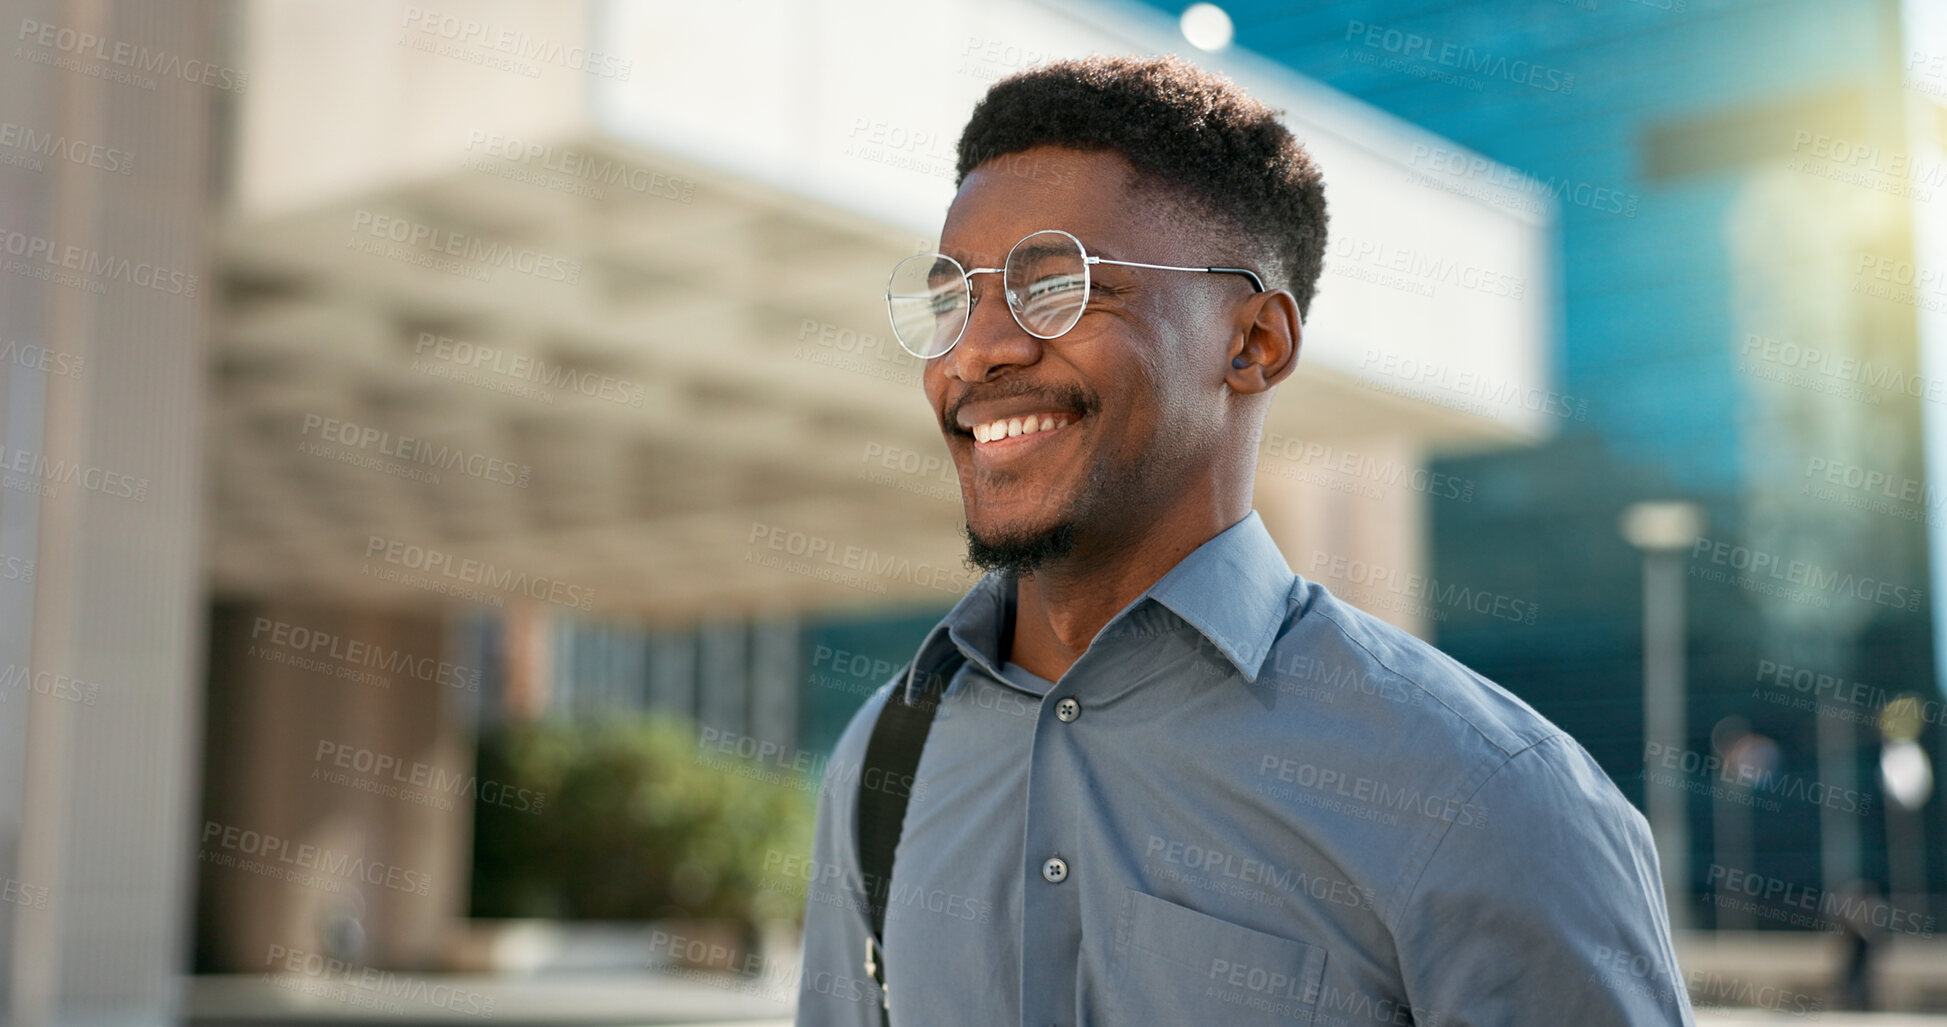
x=1066 y=396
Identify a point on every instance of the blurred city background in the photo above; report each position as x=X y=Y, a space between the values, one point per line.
x=459 y=481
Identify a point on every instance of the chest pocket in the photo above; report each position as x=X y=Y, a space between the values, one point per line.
x=1173 y=965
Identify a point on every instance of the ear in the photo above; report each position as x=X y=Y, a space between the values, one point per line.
x=1264 y=348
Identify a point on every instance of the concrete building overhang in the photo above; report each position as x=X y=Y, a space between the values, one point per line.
x=620 y=330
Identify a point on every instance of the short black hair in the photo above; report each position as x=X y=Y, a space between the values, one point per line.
x=1193 y=131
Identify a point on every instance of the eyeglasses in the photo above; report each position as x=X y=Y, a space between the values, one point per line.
x=1045 y=277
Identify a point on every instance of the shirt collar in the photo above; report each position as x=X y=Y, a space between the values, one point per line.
x=1233 y=590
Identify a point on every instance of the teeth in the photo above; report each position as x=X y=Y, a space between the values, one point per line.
x=1012 y=426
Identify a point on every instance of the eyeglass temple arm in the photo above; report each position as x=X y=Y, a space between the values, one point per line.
x=1256 y=282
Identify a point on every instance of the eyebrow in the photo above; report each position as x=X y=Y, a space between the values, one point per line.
x=961 y=255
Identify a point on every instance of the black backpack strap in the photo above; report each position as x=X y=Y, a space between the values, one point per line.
x=898 y=736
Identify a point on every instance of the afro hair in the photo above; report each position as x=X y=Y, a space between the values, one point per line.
x=1192 y=132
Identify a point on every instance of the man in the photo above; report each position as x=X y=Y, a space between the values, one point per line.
x=1169 y=781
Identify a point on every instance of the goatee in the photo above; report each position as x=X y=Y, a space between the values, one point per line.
x=1022 y=552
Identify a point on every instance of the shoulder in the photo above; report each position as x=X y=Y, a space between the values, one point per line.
x=1452 y=719
x=848 y=753
x=1368 y=660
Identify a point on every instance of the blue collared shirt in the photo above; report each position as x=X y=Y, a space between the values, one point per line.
x=1268 y=808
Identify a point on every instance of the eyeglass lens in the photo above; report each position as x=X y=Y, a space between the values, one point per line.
x=1045 y=278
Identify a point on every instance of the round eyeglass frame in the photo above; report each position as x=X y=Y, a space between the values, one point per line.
x=1088 y=284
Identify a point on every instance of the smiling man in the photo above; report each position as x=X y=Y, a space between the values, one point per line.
x=1143 y=773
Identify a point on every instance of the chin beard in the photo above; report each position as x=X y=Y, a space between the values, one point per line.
x=1021 y=552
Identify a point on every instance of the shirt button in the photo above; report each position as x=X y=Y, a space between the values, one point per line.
x=1067 y=710
x=1055 y=870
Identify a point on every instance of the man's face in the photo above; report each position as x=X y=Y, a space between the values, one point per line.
x=1139 y=380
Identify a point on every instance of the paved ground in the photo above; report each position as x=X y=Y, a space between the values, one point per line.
x=1914 y=971
x=248 y=1001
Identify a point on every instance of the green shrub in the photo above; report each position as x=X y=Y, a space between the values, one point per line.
x=635 y=825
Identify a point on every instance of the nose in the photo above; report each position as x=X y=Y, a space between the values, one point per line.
x=993 y=339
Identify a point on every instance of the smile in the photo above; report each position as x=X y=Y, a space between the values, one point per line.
x=1013 y=431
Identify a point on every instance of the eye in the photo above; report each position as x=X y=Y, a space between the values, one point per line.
x=1101 y=289
x=945 y=302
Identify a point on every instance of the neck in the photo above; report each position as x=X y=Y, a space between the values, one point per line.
x=1059 y=608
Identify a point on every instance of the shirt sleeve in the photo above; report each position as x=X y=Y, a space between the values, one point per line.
x=834 y=989
x=1548 y=909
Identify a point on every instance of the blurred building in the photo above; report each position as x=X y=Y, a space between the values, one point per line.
x=532 y=362
x=1745 y=192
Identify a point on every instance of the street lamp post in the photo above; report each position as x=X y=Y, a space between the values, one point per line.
x=1663 y=531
